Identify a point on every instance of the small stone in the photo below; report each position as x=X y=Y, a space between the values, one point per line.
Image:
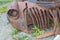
x=57 y=37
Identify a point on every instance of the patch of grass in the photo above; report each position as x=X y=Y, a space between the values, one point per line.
x=21 y=38
x=37 y=31
x=3 y=9
x=14 y=31
x=5 y=0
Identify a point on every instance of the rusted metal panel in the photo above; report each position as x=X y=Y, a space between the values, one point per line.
x=25 y=15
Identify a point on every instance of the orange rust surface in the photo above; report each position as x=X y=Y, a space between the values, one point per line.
x=45 y=35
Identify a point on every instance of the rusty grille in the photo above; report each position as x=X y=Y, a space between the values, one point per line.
x=29 y=16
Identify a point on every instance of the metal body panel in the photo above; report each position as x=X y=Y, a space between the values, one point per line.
x=25 y=15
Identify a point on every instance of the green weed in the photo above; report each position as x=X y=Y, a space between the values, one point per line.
x=21 y=38
x=37 y=31
x=5 y=0
x=3 y=8
x=14 y=31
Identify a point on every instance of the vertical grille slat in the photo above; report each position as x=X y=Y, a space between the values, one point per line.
x=46 y=21
x=47 y=18
x=42 y=18
x=37 y=16
x=40 y=25
x=28 y=12
x=40 y=15
x=33 y=16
